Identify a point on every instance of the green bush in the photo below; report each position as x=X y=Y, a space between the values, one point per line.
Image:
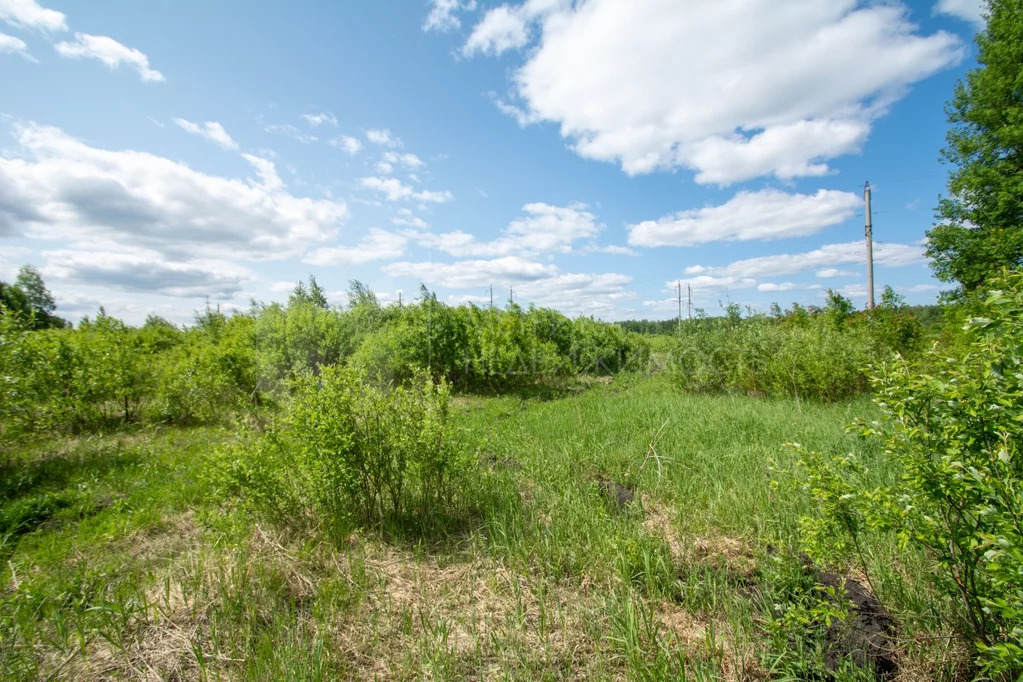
x=347 y=452
x=953 y=431
x=822 y=354
x=208 y=376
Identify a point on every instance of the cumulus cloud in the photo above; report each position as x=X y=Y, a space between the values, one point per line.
x=211 y=130
x=443 y=15
x=11 y=45
x=407 y=217
x=395 y=190
x=52 y=186
x=827 y=256
x=288 y=130
x=968 y=10
x=29 y=14
x=786 y=286
x=349 y=144
x=543 y=229
x=147 y=271
x=766 y=214
x=795 y=83
x=408 y=160
x=382 y=137
x=473 y=273
x=825 y=273
x=110 y=52
x=600 y=295
x=316 y=120
x=377 y=245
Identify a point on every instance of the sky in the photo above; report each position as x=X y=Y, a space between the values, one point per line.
x=585 y=156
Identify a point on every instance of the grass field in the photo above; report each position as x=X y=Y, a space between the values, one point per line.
x=118 y=562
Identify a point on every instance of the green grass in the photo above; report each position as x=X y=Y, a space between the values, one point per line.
x=119 y=563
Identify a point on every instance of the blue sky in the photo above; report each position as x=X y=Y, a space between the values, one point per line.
x=587 y=154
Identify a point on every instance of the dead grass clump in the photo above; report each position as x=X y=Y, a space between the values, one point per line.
x=478 y=615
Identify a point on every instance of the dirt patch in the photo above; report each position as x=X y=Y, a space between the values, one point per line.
x=866 y=638
x=618 y=495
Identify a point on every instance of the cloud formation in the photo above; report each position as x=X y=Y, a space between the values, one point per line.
x=211 y=130
x=766 y=214
x=796 y=83
x=110 y=52
x=29 y=14
x=53 y=186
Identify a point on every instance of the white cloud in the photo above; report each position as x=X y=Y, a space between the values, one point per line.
x=396 y=190
x=29 y=14
x=508 y=27
x=291 y=131
x=384 y=167
x=146 y=270
x=829 y=255
x=767 y=214
x=349 y=144
x=826 y=273
x=408 y=160
x=442 y=16
x=316 y=120
x=614 y=250
x=544 y=229
x=406 y=217
x=377 y=245
x=473 y=273
x=11 y=45
x=709 y=283
x=110 y=52
x=968 y=10
x=786 y=286
x=382 y=137
x=796 y=82
x=211 y=130
x=600 y=295
x=53 y=186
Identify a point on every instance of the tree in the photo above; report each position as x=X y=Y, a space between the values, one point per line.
x=314 y=294
x=980 y=229
x=29 y=298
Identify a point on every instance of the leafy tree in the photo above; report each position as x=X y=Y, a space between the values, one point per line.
x=29 y=298
x=981 y=221
x=359 y=294
x=313 y=294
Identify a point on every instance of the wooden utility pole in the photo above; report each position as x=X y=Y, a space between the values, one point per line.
x=869 y=234
x=511 y=295
x=491 y=296
x=399 y=299
x=690 y=288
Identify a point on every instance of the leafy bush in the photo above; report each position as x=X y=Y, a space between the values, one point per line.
x=822 y=354
x=953 y=431
x=210 y=374
x=347 y=451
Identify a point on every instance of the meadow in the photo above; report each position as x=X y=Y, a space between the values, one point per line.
x=276 y=496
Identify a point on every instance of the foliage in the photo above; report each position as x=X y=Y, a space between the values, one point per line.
x=347 y=451
x=981 y=228
x=29 y=299
x=954 y=433
x=800 y=356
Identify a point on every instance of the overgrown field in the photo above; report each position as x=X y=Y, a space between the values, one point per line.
x=119 y=561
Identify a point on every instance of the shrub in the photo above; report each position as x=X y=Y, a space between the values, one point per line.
x=210 y=374
x=347 y=451
x=802 y=356
x=953 y=432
